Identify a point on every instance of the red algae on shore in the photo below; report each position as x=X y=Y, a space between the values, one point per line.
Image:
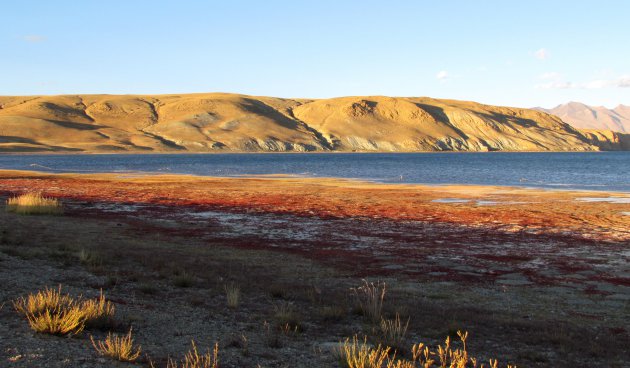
x=512 y=209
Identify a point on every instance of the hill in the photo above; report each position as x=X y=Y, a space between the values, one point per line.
x=583 y=116
x=233 y=123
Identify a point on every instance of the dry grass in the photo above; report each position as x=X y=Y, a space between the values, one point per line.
x=193 y=359
x=69 y=321
x=34 y=204
x=233 y=294
x=183 y=279
x=117 y=347
x=99 y=313
x=44 y=300
x=355 y=354
x=370 y=297
x=393 y=331
x=287 y=318
x=49 y=311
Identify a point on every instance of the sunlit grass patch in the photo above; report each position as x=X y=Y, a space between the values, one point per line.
x=118 y=347
x=360 y=354
x=193 y=359
x=49 y=311
x=34 y=204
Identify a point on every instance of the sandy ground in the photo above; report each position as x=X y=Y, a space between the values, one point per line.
x=539 y=277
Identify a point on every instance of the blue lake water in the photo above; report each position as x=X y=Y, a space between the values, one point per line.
x=606 y=171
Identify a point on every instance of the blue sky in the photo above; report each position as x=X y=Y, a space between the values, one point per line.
x=516 y=53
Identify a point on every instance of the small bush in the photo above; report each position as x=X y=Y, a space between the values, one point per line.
x=233 y=293
x=116 y=347
x=34 y=204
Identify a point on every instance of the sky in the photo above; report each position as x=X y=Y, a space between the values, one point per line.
x=513 y=53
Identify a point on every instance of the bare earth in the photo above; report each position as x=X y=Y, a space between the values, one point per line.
x=539 y=278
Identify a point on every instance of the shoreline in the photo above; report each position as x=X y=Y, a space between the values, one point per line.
x=281 y=176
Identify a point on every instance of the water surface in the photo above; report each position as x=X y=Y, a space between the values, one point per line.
x=605 y=171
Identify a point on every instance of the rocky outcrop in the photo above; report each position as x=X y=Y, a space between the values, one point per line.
x=234 y=123
x=608 y=140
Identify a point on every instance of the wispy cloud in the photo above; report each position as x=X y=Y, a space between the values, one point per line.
x=541 y=54
x=34 y=38
x=624 y=82
x=550 y=75
x=442 y=75
x=555 y=81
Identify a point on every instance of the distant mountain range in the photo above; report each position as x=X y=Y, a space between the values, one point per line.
x=221 y=122
x=582 y=116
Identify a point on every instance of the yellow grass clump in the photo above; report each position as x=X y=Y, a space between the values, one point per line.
x=49 y=311
x=355 y=354
x=34 y=204
x=58 y=322
x=117 y=347
x=193 y=359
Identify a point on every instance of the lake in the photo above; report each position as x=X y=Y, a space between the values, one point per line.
x=604 y=171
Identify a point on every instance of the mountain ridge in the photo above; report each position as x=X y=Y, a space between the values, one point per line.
x=223 y=122
x=583 y=116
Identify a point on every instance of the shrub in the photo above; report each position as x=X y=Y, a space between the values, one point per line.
x=34 y=204
x=117 y=347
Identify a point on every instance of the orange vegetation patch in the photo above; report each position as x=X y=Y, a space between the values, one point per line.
x=497 y=208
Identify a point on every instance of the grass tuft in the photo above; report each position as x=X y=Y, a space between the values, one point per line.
x=355 y=354
x=193 y=359
x=117 y=347
x=49 y=311
x=233 y=294
x=393 y=332
x=370 y=297
x=34 y=204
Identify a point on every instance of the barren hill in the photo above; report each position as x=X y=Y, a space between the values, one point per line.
x=583 y=116
x=229 y=122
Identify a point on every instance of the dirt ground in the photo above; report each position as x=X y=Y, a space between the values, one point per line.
x=538 y=278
